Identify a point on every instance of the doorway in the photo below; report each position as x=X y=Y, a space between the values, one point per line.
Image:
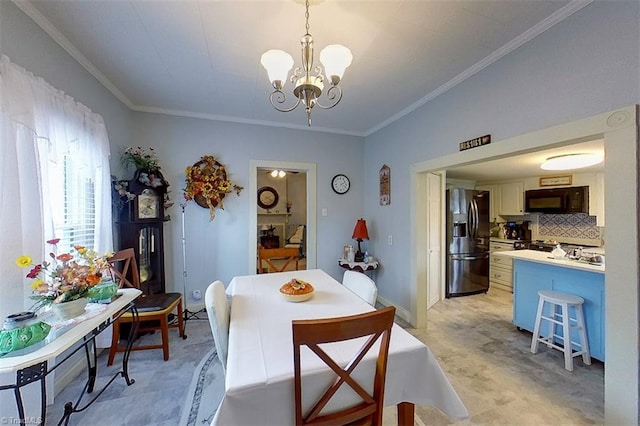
x=619 y=129
x=282 y=218
x=284 y=202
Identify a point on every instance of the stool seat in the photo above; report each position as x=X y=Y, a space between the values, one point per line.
x=560 y=316
x=558 y=297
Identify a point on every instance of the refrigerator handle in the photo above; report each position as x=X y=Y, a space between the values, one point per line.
x=476 y=222
x=471 y=219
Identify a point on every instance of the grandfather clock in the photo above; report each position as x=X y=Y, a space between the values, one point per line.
x=141 y=226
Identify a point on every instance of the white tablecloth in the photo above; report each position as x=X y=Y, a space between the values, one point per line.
x=259 y=381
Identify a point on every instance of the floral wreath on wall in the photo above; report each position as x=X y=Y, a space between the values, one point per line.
x=207 y=184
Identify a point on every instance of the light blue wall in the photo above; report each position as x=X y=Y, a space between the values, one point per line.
x=587 y=64
x=219 y=249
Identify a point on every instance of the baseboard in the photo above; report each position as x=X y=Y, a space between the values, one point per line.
x=400 y=312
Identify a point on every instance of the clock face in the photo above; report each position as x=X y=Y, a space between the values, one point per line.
x=148 y=205
x=340 y=184
x=267 y=197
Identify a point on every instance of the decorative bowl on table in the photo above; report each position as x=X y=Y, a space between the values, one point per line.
x=296 y=290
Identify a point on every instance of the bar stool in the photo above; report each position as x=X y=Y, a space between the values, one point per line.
x=564 y=302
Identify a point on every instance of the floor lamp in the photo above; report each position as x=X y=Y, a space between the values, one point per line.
x=187 y=314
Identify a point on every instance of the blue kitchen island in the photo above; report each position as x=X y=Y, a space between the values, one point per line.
x=534 y=271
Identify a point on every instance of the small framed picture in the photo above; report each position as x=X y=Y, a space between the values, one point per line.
x=555 y=180
x=345 y=252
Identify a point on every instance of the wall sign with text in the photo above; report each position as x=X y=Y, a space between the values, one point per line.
x=476 y=142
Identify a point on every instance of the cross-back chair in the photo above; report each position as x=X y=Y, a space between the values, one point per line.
x=153 y=309
x=311 y=333
x=267 y=255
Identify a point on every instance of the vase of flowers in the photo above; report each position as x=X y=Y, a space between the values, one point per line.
x=207 y=184
x=66 y=279
x=71 y=309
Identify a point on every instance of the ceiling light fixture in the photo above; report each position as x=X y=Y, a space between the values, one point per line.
x=308 y=88
x=278 y=173
x=571 y=161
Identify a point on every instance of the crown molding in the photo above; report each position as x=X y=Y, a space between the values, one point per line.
x=542 y=26
x=56 y=35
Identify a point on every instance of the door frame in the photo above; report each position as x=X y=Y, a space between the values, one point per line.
x=311 y=230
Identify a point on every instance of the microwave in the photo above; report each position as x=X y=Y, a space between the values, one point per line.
x=574 y=199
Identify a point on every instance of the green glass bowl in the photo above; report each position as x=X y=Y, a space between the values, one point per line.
x=103 y=292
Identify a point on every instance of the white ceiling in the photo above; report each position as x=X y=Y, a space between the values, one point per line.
x=201 y=58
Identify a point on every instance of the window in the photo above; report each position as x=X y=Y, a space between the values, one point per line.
x=74 y=214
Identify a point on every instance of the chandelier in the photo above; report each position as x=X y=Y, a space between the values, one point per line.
x=308 y=80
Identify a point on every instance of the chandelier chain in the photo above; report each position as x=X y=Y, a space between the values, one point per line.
x=306 y=15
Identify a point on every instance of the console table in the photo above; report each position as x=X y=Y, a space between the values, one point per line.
x=31 y=364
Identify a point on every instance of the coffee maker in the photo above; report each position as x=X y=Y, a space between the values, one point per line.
x=517 y=230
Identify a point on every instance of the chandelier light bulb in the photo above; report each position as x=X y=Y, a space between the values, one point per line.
x=571 y=161
x=278 y=173
x=277 y=63
x=335 y=58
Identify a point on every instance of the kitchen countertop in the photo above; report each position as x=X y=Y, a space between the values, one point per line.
x=501 y=240
x=544 y=257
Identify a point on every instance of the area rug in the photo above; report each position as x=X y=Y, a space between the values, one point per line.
x=205 y=392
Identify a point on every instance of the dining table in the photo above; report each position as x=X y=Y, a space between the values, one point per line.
x=259 y=381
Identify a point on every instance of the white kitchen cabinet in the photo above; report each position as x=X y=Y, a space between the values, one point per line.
x=494 y=200
x=511 y=199
x=500 y=267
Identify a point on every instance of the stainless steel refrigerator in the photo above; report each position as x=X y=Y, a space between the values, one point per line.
x=467 y=242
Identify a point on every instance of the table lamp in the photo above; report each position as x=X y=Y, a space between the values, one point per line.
x=360 y=233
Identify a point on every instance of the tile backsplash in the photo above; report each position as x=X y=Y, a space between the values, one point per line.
x=569 y=226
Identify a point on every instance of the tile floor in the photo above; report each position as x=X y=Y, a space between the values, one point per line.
x=486 y=358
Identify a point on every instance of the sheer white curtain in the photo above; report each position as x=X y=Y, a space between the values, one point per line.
x=42 y=129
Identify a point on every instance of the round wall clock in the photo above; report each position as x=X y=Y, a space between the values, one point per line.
x=340 y=184
x=267 y=197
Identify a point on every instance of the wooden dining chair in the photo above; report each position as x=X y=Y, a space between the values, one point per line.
x=361 y=285
x=215 y=302
x=311 y=333
x=153 y=309
x=267 y=255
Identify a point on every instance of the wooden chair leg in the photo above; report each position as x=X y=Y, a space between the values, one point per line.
x=406 y=412
x=115 y=338
x=164 y=327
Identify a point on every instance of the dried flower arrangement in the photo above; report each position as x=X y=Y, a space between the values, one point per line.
x=207 y=184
